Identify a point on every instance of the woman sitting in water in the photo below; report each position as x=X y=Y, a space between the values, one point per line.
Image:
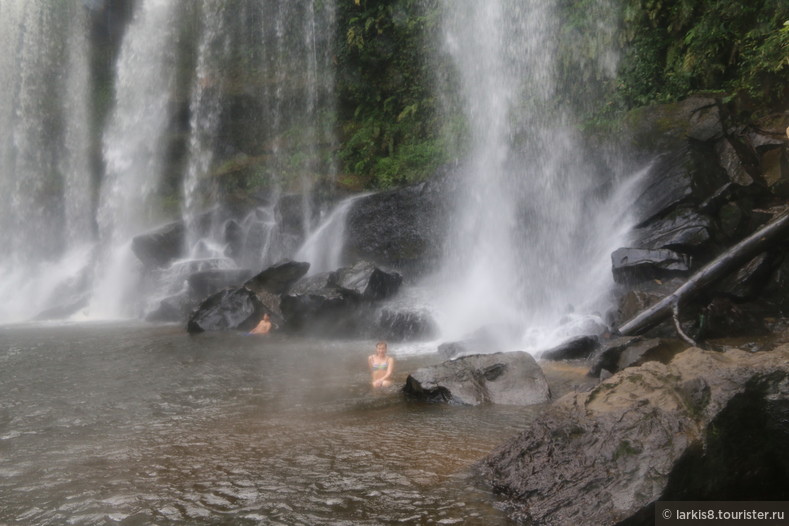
x=381 y=366
x=263 y=327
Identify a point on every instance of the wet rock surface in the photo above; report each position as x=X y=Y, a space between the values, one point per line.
x=239 y=309
x=705 y=426
x=512 y=378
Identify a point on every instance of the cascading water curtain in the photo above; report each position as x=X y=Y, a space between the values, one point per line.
x=46 y=221
x=134 y=152
x=532 y=234
x=222 y=99
x=264 y=70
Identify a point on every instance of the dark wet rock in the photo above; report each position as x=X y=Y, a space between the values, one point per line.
x=401 y=228
x=400 y=325
x=368 y=281
x=207 y=282
x=731 y=219
x=279 y=277
x=606 y=358
x=705 y=122
x=667 y=184
x=227 y=309
x=643 y=295
x=751 y=279
x=311 y=284
x=315 y=305
x=708 y=426
x=630 y=351
x=573 y=349
x=631 y=265
x=326 y=312
x=512 y=378
x=768 y=138
x=161 y=246
x=776 y=292
x=662 y=127
x=722 y=317
x=731 y=153
x=679 y=140
x=682 y=229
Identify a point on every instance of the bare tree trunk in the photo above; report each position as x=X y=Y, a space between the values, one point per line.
x=720 y=267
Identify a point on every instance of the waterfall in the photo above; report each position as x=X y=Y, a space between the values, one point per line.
x=134 y=152
x=286 y=66
x=45 y=175
x=206 y=115
x=532 y=233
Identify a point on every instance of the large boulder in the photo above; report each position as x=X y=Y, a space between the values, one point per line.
x=239 y=309
x=161 y=246
x=707 y=426
x=279 y=277
x=367 y=281
x=316 y=305
x=400 y=228
x=512 y=378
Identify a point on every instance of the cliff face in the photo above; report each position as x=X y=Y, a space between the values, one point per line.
x=711 y=183
x=707 y=426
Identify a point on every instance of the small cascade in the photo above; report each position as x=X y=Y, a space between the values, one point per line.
x=323 y=249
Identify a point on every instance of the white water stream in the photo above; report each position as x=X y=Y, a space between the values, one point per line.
x=532 y=235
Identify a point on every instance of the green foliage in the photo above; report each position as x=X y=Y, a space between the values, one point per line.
x=387 y=109
x=672 y=48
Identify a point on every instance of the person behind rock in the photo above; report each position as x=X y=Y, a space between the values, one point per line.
x=381 y=366
x=263 y=327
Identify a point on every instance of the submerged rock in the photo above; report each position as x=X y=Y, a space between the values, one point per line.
x=512 y=378
x=707 y=426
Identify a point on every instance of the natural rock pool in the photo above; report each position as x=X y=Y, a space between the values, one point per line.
x=130 y=423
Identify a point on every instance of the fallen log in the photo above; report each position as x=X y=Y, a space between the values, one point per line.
x=720 y=267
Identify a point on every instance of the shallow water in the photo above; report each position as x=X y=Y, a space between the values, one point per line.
x=138 y=424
